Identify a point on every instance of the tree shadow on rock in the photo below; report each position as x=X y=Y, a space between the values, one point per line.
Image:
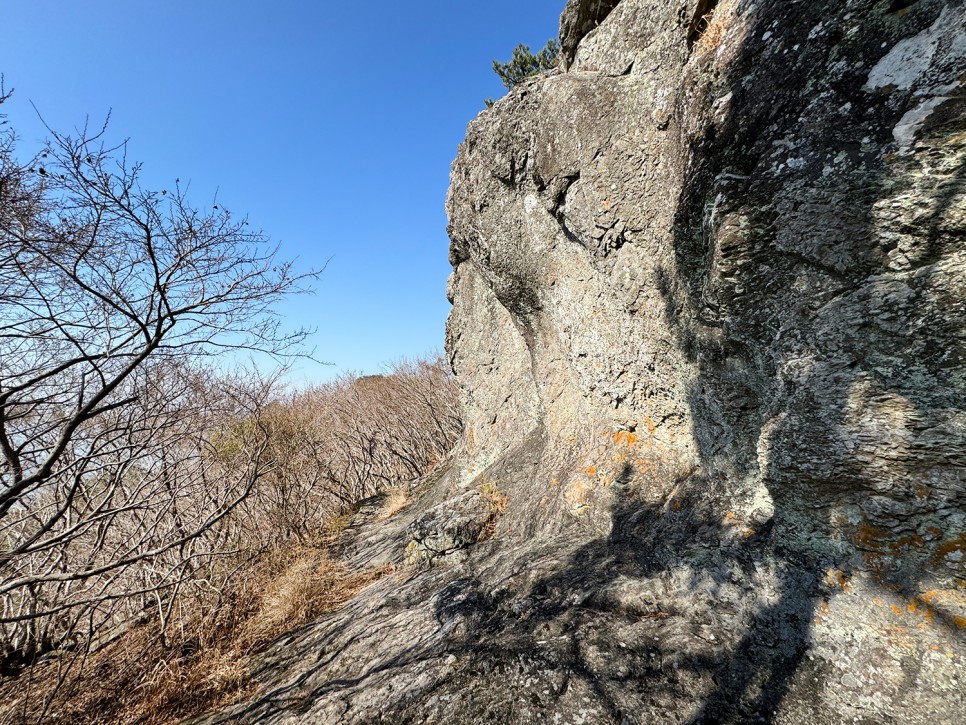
x=678 y=615
x=817 y=273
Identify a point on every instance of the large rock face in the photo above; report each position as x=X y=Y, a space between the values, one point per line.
x=710 y=320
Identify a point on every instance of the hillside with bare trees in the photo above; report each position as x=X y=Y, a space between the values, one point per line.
x=148 y=479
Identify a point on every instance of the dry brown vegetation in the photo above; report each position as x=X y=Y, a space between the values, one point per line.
x=162 y=513
x=261 y=570
x=496 y=502
x=140 y=678
x=396 y=500
x=338 y=443
x=713 y=26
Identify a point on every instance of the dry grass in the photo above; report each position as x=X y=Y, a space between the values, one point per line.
x=141 y=679
x=714 y=25
x=311 y=586
x=137 y=679
x=333 y=526
x=496 y=502
x=262 y=570
x=396 y=500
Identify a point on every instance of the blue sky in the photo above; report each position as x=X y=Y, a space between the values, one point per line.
x=332 y=125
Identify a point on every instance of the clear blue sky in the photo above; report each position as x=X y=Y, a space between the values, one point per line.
x=332 y=125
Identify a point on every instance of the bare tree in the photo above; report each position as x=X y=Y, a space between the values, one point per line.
x=113 y=451
x=340 y=442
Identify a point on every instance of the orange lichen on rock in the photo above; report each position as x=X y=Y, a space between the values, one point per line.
x=822 y=612
x=576 y=495
x=943 y=596
x=626 y=438
x=839 y=579
x=944 y=604
x=949 y=549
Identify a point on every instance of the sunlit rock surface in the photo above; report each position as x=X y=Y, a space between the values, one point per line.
x=709 y=318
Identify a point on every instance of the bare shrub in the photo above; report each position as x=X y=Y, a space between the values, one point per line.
x=338 y=443
x=201 y=666
x=150 y=501
x=177 y=626
x=116 y=482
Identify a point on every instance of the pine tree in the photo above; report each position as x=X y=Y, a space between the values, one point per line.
x=525 y=64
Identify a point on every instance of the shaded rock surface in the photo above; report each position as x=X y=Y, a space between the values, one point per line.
x=709 y=317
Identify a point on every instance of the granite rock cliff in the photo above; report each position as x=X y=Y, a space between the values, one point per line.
x=709 y=318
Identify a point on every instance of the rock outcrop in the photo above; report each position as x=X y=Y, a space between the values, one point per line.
x=709 y=316
x=579 y=18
